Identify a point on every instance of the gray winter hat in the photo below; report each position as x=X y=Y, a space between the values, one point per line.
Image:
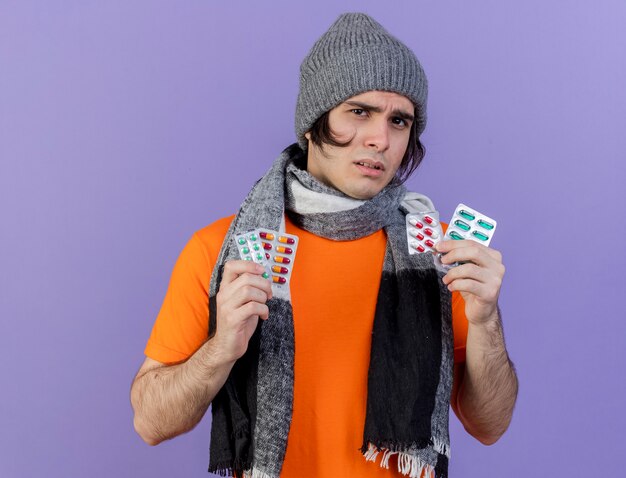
x=356 y=55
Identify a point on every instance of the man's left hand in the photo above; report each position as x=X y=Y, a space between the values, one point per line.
x=478 y=279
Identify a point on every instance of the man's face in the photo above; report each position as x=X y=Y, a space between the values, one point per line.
x=378 y=124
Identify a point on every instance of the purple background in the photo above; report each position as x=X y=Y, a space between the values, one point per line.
x=126 y=126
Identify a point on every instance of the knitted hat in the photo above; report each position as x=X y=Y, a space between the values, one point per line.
x=356 y=55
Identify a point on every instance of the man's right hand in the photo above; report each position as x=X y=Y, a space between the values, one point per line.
x=241 y=301
x=171 y=399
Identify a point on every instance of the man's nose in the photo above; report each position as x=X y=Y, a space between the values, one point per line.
x=378 y=135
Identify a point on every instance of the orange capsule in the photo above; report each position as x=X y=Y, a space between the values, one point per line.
x=282 y=260
x=280 y=270
x=267 y=246
x=283 y=250
x=267 y=235
x=286 y=240
x=278 y=280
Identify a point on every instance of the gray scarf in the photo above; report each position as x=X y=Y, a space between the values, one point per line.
x=410 y=371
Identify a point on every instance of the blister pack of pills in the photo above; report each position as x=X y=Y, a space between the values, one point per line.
x=467 y=223
x=276 y=251
x=423 y=231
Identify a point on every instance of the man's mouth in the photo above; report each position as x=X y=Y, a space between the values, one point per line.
x=371 y=165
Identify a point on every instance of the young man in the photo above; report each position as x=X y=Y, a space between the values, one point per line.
x=353 y=370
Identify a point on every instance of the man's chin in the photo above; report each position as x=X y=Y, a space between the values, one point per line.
x=362 y=195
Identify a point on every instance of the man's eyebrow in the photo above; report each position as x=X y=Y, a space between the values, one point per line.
x=377 y=109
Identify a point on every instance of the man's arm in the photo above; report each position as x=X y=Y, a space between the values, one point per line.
x=485 y=386
x=171 y=399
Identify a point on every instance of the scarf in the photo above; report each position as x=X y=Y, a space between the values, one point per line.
x=410 y=370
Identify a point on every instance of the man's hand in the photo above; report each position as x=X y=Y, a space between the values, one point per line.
x=171 y=399
x=241 y=301
x=478 y=280
x=485 y=385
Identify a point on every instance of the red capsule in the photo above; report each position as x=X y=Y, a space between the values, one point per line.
x=430 y=232
x=267 y=256
x=286 y=240
x=283 y=250
x=278 y=280
x=267 y=246
x=429 y=243
x=414 y=222
x=420 y=248
x=282 y=260
x=280 y=270
x=267 y=235
x=419 y=236
x=431 y=220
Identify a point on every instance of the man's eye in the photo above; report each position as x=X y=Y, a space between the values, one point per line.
x=399 y=122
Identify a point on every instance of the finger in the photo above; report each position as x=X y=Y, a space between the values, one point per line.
x=253 y=280
x=468 y=254
x=244 y=288
x=478 y=255
x=251 y=310
x=234 y=268
x=450 y=245
x=249 y=293
x=466 y=285
x=486 y=292
x=237 y=274
x=466 y=271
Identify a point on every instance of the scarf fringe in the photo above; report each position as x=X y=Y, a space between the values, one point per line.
x=441 y=447
x=408 y=465
x=413 y=467
x=256 y=473
x=223 y=470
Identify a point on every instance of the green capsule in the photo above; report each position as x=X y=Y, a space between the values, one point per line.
x=246 y=250
x=248 y=258
x=466 y=215
x=241 y=241
x=456 y=236
x=266 y=275
x=256 y=247
x=259 y=257
x=462 y=225
x=252 y=237
x=485 y=224
x=480 y=235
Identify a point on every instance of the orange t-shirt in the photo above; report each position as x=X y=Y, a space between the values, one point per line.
x=334 y=286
